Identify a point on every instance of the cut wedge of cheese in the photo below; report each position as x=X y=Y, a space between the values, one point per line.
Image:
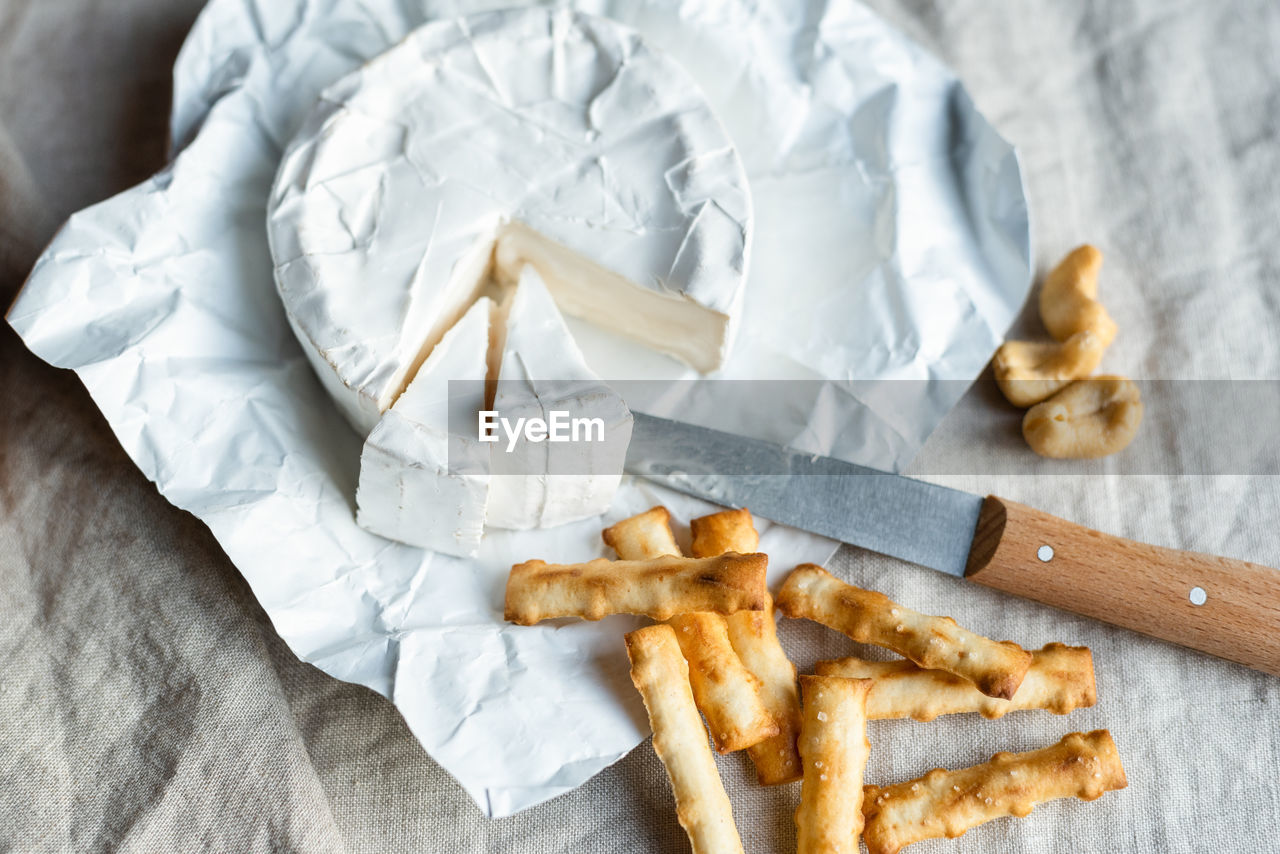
x=543 y=376
x=427 y=478
x=425 y=481
x=561 y=139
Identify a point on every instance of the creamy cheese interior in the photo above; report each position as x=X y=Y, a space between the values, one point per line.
x=665 y=320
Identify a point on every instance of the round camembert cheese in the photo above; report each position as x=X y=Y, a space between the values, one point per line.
x=482 y=144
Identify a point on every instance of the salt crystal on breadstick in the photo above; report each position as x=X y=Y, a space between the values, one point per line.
x=727 y=694
x=947 y=803
x=661 y=676
x=934 y=643
x=658 y=588
x=834 y=748
x=754 y=637
x=644 y=535
x=1060 y=679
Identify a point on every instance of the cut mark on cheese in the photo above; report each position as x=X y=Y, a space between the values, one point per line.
x=472 y=276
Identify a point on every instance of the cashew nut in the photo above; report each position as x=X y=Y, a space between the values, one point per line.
x=1069 y=298
x=1030 y=371
x=1088 y=419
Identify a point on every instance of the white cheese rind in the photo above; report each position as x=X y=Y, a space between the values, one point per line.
x=602 y=150
x=421 y=483
x=544 y=484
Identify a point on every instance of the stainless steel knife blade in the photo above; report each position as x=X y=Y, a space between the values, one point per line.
x=895 y=515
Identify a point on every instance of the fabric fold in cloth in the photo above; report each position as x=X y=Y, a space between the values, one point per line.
x=25 y=220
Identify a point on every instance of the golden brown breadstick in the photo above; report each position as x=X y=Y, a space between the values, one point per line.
x=658 y=588
x=754 y=637
x=834 y=747
x=725 y=691
x=947 y=803
x=662 y=678
x=726 y=531
x=934 y=643
x=1060 y=679
x=644 y=535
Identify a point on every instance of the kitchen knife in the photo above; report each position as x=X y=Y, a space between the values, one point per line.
x=1225 y=607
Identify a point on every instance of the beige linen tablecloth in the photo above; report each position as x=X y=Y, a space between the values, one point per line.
x=147 y=705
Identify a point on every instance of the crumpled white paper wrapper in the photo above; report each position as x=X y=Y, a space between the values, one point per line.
x=162 y=300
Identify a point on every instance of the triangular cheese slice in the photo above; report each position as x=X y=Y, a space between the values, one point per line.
x=544 y=377
x=420 y=483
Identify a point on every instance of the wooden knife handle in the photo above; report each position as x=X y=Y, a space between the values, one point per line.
x=1149 y=589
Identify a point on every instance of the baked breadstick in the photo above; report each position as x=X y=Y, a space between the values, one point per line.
x=658 y=588
x=1060 y=679
x=726 y=531
x=934 y=643
x=834 y=746
x=644 y=535
x=725 y=691
x=662 y=678
x=947 y=803
x=754 y=636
